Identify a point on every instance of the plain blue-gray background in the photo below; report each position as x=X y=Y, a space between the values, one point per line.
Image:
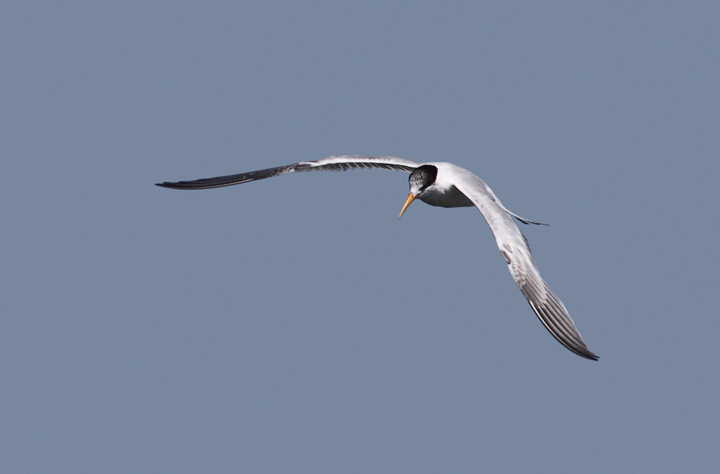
x=294 y=325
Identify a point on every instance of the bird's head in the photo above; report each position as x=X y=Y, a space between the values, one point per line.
x=420 y=180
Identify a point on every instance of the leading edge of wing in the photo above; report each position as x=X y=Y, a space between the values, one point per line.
x=332 y=163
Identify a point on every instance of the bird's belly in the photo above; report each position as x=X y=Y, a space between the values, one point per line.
x=450 y=198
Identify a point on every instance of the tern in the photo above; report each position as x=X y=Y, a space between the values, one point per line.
x=446 y=185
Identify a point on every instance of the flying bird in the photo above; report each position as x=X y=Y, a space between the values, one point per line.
x=446 y=185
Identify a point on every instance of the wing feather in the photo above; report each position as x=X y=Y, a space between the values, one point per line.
x=333 y=163
x=516 y=251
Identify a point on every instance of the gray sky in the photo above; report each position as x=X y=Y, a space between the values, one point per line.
x=294 y=325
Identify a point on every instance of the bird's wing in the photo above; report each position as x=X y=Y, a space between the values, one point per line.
x=516 y=251
x=333 y=163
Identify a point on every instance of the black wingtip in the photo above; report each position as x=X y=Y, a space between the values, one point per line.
x=584 y=352
x=179 y=185
x=165 y=185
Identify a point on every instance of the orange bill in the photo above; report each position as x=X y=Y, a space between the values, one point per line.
x=409 y=201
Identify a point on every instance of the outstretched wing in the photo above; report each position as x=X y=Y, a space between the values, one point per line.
x=514 y=248
x=333 y=163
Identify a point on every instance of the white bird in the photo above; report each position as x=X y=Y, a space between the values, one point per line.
x=446 y=185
